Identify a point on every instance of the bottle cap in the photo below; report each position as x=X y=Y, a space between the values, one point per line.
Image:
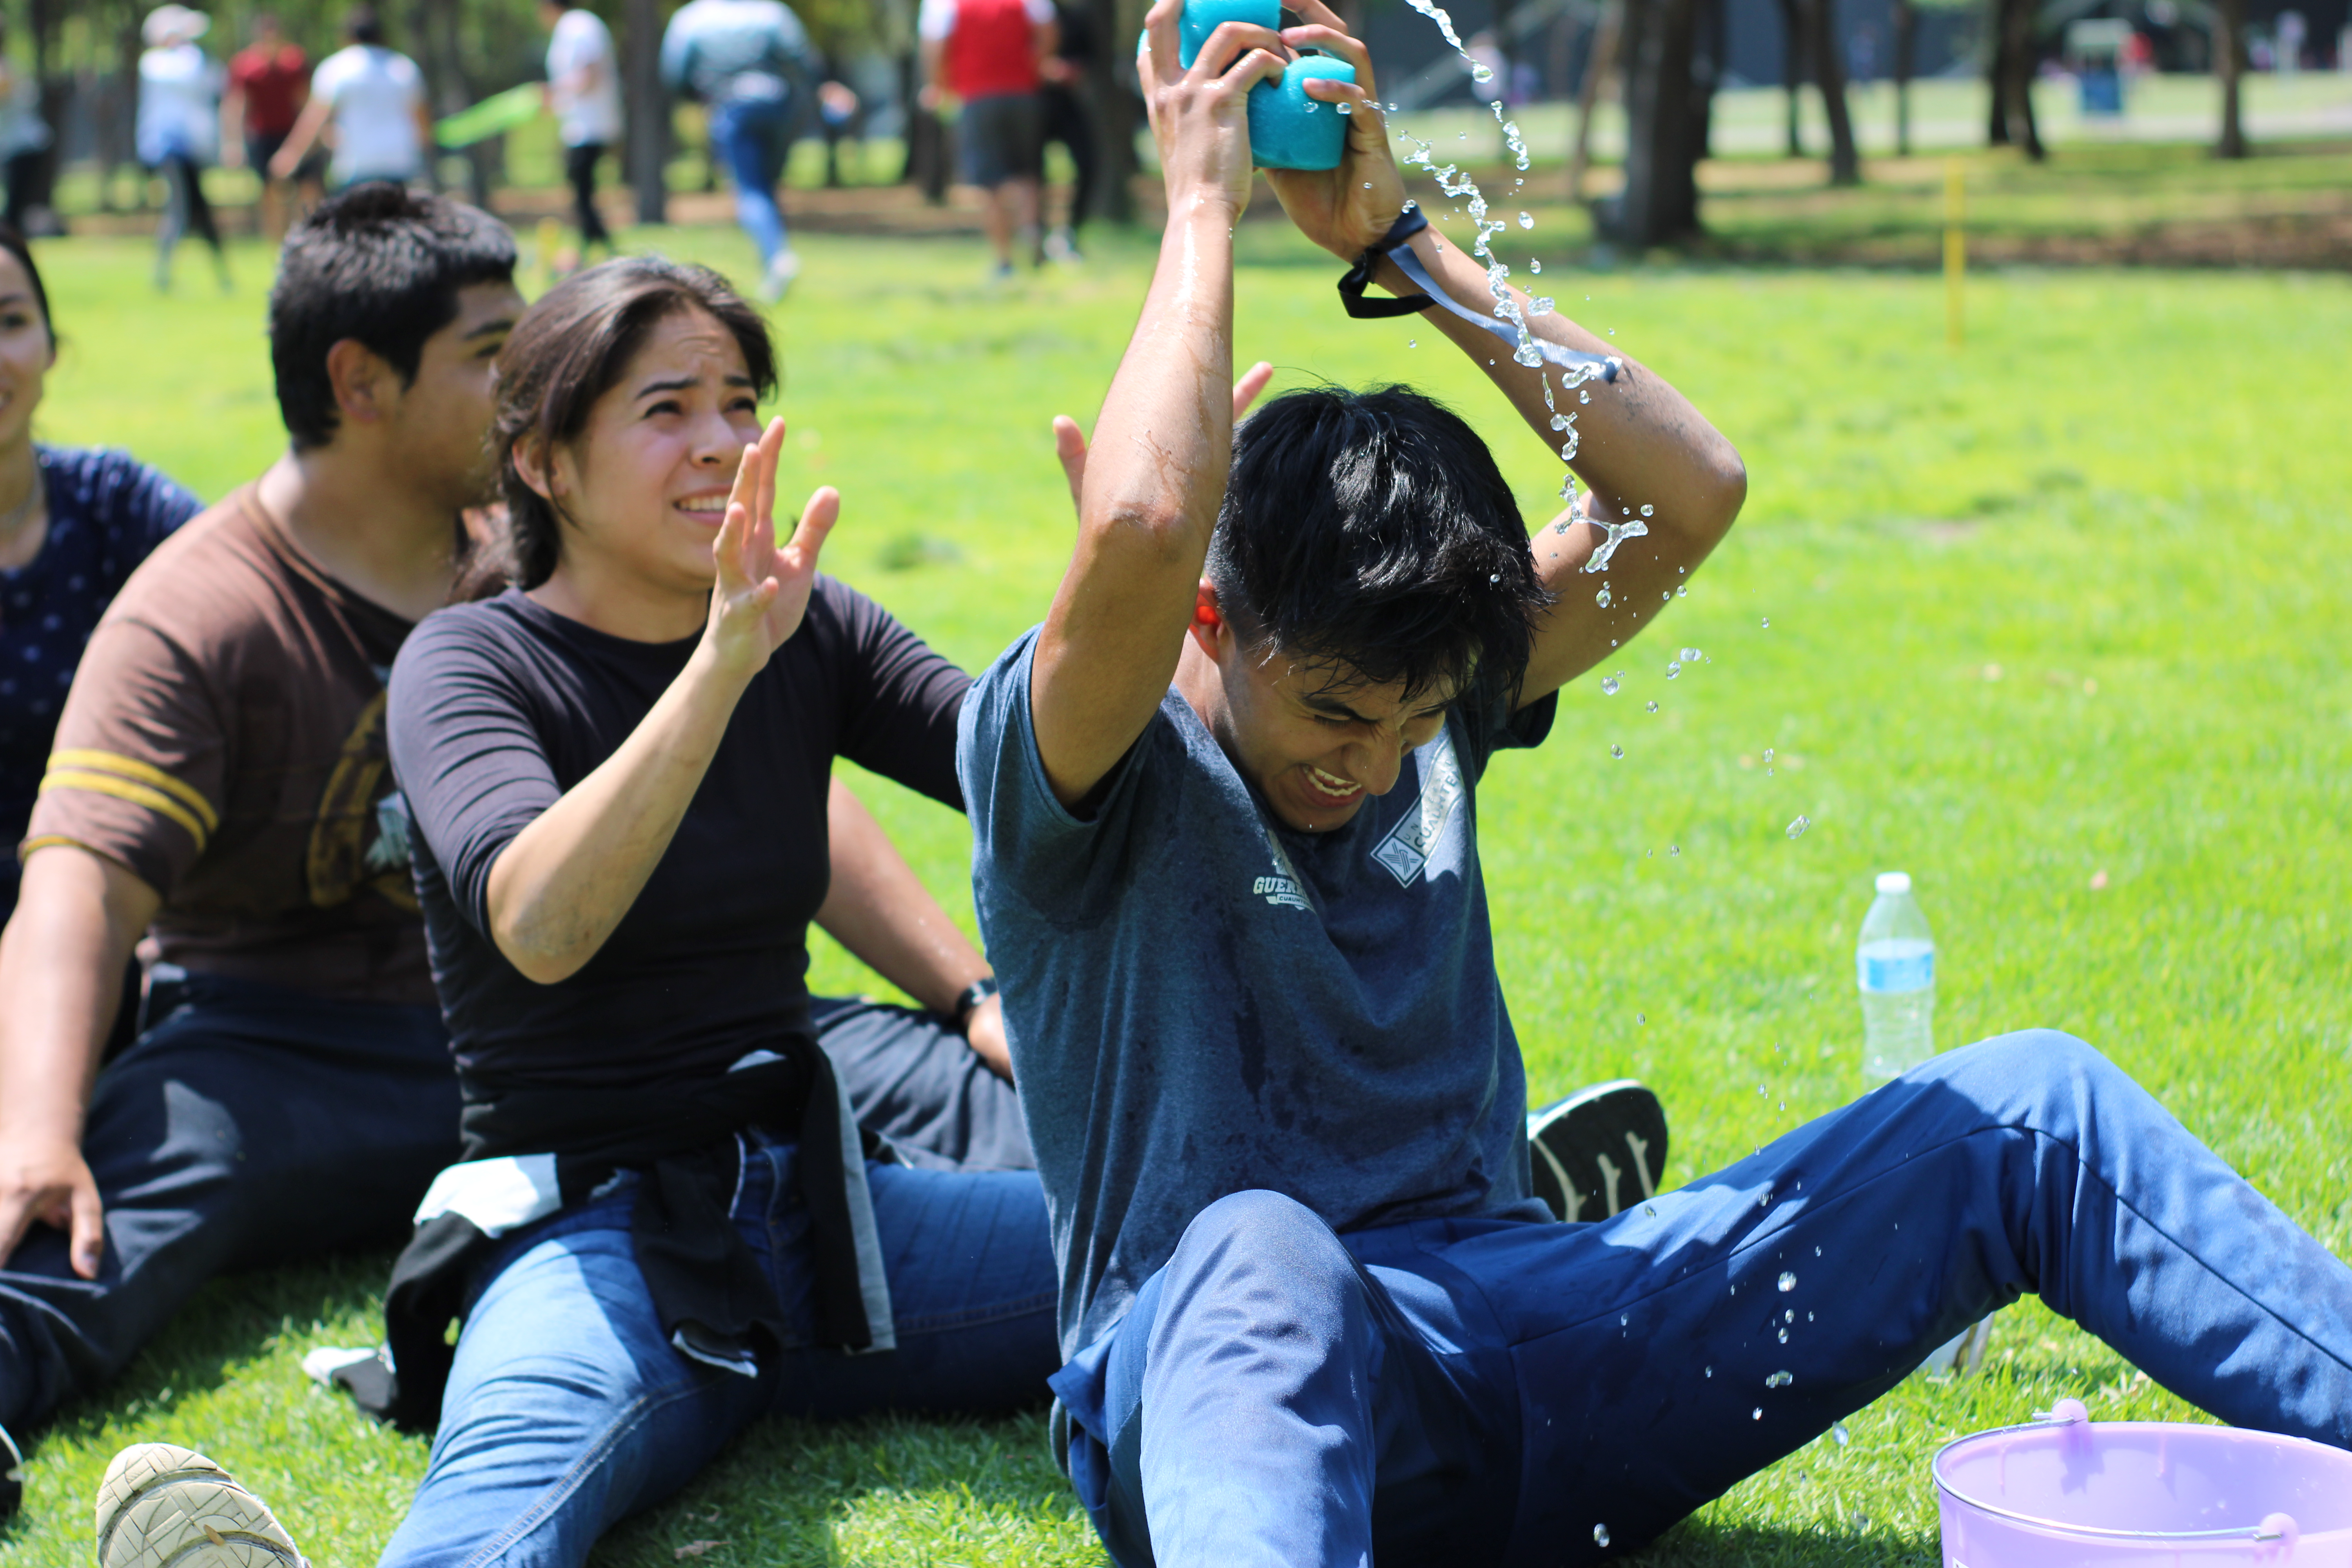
x=1895 y=881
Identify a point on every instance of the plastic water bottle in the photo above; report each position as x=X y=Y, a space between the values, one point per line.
x=1896 y=964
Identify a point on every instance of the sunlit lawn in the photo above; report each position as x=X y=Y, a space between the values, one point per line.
x=2055 y=624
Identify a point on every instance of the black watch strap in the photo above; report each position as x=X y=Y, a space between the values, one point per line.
x=1360 y=277
x=969 y=1000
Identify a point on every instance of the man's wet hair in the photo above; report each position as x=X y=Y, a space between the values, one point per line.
x=1370 y=535
x=383 y=266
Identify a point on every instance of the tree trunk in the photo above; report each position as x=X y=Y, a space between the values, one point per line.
x=2228 y=63
x=57 y=98
x=1599 y=60
x=1792 y=69
x=2021 y=15
x=1907 y=48
x=1829 y=75
x=1115 y=106
x=645 y=139
x=1711 y=35
x=1660 y=206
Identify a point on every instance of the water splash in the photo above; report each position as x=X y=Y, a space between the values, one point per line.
x=1600 y=1535
x=1779 y=1380
x=1797 y=828
x=1674 y=668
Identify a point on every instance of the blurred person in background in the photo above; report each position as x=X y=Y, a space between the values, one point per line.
x=23 y=141
x=988 y=55
x=584 y=91
x=749 y=63
x=372 y=97
x=269 y=83
x=178 y=131
x=1070 y=121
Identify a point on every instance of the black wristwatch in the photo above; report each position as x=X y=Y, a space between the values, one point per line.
x=968 y=1001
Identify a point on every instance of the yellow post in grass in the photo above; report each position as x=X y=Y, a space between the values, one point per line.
x=1955 y=247
x=550 y=236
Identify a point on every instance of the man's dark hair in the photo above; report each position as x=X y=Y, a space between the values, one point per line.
x=362 y=26
x=569 y=348
x=379 y=264
x=1370 y=533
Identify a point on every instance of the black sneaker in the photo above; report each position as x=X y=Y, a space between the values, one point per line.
x=1601 y=1150
x=160 y=1504
x=11 y=1474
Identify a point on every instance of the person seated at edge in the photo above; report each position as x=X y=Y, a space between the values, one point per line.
x=262 y=846
x=618 y=773
x=1307 y=1318
x=75 y=521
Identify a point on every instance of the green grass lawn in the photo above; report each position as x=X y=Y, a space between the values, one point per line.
x=2053 y=622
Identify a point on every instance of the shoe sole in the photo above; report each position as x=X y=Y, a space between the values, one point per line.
x=1600 y=1150
x=166 y=1507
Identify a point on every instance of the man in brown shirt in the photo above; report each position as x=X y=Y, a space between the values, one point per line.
x=220 y=787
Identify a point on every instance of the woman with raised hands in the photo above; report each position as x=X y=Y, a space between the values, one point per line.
x=618 y=773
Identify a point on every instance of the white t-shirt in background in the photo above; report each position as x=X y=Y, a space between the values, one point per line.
x=591 y=118
x=179 y=105
x=375 y=94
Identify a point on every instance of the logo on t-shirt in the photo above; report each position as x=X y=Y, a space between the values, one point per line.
x=1282 y=889
x=1406 y=849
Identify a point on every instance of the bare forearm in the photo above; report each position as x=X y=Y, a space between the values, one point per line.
x=61 y=963
x=1638 y=442
x=1146 y=507
x=880 y=909
x=559 y=890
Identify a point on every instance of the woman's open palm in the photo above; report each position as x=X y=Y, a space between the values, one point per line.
x=763 y=589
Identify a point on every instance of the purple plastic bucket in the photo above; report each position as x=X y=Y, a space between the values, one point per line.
x=2069 y=1492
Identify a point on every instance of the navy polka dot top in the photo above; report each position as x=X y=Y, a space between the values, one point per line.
x=106 y=510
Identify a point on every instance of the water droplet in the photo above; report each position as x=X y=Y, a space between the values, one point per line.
x=1710 y=1372
x=1690 y=656
x=1758 y=1416
x=1768 y=753
x=1817 y=1252
x=1674 y=668
x=1409 y=203
x=1368 y=184
x=1494 y=577
x=1642 y=1019
x=1583 y=396
x=1559 y=421
x=1412 y=343
x=1797 y=828
x=1600 y=1535
x=1608 y=682
x=1809 y=1317
x=1789 y=1315
x=1651 y=1210
x=1681 y=591
x=1674 y=849
x=1535 y=266
x=1779 y=1380
x=1838 y=1431
x=1342 y=107
x=1646 y=512
x=1601 y=598
x=1861 y=1519
x=1616 y=751
x=1788 y=1283
x=1623 y=1319
x=1653 y=705
x=1527 y=220
x=1768 y=623
x=1481 y=74
x=1784 y=1336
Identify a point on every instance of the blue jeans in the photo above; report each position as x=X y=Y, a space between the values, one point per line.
x=1490 y=1390
x=567 y=1408
x=754 y=137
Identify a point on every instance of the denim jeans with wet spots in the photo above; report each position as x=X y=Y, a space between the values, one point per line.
x=1483 y=1391
x=568 y=1409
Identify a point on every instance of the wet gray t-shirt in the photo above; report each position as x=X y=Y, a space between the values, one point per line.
x=1203 y=1002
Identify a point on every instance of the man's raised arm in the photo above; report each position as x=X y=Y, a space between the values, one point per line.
x=1645 y=455
x=1157 y=472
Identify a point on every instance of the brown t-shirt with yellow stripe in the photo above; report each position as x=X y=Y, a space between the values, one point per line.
x=225 y=740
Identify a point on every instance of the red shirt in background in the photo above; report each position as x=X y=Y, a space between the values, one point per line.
x=991 y=50
x=273 y=82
